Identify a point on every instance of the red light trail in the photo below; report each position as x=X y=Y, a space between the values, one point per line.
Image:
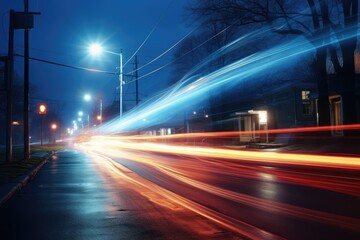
x=199 y=168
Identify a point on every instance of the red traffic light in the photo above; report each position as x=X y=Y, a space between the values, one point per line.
x=42 y=109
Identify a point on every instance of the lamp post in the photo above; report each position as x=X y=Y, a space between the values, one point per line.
x=121 y=83
x=81 y=114
x=101 y=110
x=80 y=119
x=87 y=97
x=96 y=49
x=53 y=127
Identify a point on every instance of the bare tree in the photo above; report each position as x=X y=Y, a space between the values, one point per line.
x=316 y=20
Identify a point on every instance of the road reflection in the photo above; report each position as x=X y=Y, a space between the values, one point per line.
x=254 y=194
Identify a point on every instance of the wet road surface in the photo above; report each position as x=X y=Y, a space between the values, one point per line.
x=291 y=196
x=72 y=197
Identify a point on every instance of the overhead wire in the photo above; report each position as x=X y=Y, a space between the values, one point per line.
x=171 y=62
x=68 y=66
x=162 y=54
x=156 y=58
x=153 y=29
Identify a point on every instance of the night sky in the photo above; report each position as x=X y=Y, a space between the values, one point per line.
x=63 y=32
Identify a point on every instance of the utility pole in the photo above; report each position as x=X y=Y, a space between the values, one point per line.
x=10 y=74
x=136 y=80
x=101 y=112
x=26 y=88
x=121 y=85
x=25 y=21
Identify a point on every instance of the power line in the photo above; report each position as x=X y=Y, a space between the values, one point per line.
x=162 y=54
x=152 y=30
x=171 y=62
x=68 y=66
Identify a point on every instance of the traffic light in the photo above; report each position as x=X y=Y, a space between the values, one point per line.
x=42 y=109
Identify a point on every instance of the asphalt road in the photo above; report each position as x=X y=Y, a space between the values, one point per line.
x=255 y=199
x=73 y=198
x=113 y=193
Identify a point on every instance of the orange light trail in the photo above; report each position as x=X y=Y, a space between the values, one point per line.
x=344 y=162
x=196 y=167
x=156 y=193
x=237 y=133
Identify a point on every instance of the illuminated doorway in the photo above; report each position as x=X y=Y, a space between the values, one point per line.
x=336 y=114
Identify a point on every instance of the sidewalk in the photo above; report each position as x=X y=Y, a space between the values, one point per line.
x=7 y=190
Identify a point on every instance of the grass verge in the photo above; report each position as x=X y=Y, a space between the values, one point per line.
x=19 y=166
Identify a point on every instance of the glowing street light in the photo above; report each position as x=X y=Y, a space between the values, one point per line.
x=42 y=109
x=87 y=97
x=53 y=135
x=95 y=50
x=80 y=113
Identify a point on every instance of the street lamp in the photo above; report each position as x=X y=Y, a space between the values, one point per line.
x=87 y=97
x=53 y=134
x=42 y=112
x=81 y=121
x=81 y=113
x=75 y=127
x=95 y=50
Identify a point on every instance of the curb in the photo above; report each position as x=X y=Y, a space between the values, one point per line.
x=265 y=145
x=23 y=180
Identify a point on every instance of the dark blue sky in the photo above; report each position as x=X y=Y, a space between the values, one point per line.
x=64 y=30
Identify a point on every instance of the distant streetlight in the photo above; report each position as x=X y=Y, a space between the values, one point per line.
x=81 y=113
x=87 y=97
x=75 y=127
x=42 y=111
x=53 y=135
x=95 y=50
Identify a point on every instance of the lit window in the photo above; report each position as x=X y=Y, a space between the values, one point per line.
x=307 y=106
x=305 y=95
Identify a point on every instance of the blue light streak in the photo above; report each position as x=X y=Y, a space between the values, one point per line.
x=193 y=88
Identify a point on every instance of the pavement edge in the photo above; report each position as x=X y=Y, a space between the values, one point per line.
x=22 y=181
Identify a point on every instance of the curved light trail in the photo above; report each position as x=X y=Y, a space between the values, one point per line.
x=206 y=179
x=215 y=181
x=344 y=162
x=197 y=85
